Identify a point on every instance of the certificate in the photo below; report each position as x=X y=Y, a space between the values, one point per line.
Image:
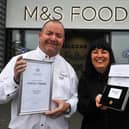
x=119 y=75
x=35 y=87
x=119 y=70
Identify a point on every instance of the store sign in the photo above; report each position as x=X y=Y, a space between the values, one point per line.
x=89 y=14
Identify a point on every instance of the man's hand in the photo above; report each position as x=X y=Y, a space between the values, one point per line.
x=19 y=68
x=61 y=108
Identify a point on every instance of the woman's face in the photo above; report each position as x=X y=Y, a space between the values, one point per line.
x=100 y=59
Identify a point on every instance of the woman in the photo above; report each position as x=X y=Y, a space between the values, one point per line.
x=91 y=85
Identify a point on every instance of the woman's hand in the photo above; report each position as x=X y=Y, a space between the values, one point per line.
x=98 y=104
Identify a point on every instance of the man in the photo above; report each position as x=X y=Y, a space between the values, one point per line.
x=64 y=91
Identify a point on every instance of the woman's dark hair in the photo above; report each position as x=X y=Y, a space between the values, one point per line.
x=99 y=43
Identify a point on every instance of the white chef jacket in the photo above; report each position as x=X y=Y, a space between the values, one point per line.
x=64 y=86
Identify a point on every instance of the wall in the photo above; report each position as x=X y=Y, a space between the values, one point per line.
x=2 y=31
x=5 y=108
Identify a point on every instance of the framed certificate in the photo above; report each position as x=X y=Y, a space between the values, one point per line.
x=115 y=97
x=35 y=87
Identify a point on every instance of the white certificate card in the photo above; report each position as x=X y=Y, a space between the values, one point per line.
x=119 y=75
x=35 y=88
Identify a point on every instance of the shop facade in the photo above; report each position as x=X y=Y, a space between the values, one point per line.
x=84 y=22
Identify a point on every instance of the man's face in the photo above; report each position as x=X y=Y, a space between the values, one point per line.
x=51 y=38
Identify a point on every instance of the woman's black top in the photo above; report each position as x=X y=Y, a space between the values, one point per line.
x=93 y=117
